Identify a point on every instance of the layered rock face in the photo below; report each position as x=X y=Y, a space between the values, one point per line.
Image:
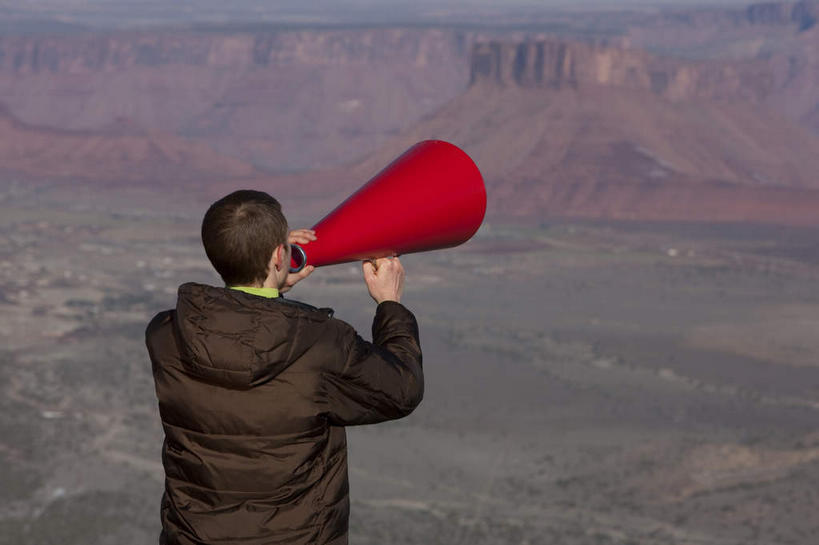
x=564 y=64
x=281 y=99
x=121 y=153
x=803 y=14
x=800 y=16
x=562 y=128
x=781 y=36
x=558 y=127
x=104 y=52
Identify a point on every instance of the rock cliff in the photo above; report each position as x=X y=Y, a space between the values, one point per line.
x=562 y=128
x=781 y=36
x=89 y=53
x=283 y=99
x=803 y=14
x=560 y=64
x=122 y=153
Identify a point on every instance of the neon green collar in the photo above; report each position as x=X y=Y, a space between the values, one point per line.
x=269 y=293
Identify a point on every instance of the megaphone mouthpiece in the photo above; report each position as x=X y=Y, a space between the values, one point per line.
x=298 y=259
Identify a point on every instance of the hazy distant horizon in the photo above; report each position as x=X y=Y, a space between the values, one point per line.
x=125 y=13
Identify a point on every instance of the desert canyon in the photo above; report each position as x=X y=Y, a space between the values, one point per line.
x=642 y=293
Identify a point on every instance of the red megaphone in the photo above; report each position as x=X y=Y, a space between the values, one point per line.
x=431 y=197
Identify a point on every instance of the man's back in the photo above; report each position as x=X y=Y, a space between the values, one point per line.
x=253 y=395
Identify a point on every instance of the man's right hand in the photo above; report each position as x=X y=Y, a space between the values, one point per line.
x=385 y=279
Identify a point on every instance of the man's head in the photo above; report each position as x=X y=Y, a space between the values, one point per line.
x=243 y=233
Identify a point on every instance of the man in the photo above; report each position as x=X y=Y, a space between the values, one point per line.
x=254 y=390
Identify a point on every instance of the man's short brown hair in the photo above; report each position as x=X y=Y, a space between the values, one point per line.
x=240 y=233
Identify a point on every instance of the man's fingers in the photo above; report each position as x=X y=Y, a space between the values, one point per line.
x=388 y=263
x=305 y=272
x=295 y=278
x=301 y=236
x=303 y=232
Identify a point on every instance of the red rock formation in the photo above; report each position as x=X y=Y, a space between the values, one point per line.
x=559 y=128
x=120 y=153
x=567 y=129
x=558 y=64
x=282 y=99
x=777 y=38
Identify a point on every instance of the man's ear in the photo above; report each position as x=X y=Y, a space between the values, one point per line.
x=278 y=257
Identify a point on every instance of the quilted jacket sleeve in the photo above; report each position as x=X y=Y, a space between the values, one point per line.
x=377 y=381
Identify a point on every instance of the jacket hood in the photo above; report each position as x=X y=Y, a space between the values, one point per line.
x=240 y=340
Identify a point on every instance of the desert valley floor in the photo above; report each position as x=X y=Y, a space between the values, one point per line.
x=587 y=383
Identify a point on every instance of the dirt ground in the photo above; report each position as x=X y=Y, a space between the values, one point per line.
x=587 y=383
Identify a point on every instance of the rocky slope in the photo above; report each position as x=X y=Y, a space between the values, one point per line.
x=120 y=153
x=284 y=99
x=558 y=64
x=782 y=37
x=566 y=129
x=559 y=127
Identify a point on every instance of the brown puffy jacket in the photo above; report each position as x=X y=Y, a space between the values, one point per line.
x=253 y=395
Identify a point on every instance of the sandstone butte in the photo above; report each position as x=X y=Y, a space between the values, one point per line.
x=570 y=129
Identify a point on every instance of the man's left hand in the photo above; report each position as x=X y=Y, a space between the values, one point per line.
x=298 y=236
